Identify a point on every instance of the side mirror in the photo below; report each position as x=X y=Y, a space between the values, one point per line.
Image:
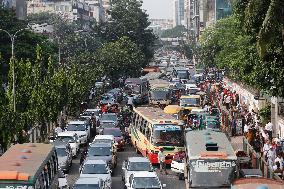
x=164 y=185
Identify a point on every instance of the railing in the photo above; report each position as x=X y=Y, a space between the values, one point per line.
x=258 y=162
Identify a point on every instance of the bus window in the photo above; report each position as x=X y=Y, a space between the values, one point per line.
x=148 y=133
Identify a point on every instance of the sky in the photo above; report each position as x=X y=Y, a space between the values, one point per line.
x=158 y=8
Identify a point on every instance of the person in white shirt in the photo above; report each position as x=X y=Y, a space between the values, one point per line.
x=246 y=128
x=228 y=101
x=265 y=148
x=269 y=126
x=271 y=155
x=161 y=158
x=280 y=160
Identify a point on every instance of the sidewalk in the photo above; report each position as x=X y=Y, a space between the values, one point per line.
x=237 y=143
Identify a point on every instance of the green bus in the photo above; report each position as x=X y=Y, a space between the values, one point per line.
x=29 y=166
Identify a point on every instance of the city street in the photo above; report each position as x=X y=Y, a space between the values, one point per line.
x=171 y=180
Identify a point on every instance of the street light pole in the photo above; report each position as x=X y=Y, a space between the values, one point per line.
x=12 y=38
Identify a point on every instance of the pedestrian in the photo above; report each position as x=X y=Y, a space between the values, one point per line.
x=161 y=158
x=228 y=101
x=271 y=155
x=265 y=149
x=268 y=128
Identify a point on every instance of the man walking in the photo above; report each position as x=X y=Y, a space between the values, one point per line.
x=161 y=158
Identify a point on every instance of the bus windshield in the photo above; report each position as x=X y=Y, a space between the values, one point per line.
x=159 y=94
x=134 y=88
x=186 y=102
x=167 y=135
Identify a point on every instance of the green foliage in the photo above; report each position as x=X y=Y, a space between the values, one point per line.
x=128 y=19
x=248 y=45
x=121 y=58
x=178 y=31
x=265 y=113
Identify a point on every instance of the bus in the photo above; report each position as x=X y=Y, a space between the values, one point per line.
x=189 y=102
x=29 y=166
x=160 y=93
x=210 y=160
x=138 y=88
x=152 y=129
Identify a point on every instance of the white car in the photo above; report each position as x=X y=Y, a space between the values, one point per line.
x=96 y=169
x=135 y=164
x=72 y=139
x=143 y=179
x=81 y=128
x=86 y=183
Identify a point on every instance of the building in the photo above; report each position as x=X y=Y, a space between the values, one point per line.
x=19 y=6
x=69 y=10
x=164 y=24
x=179 y=12
x=106 y=7
x=277 y=116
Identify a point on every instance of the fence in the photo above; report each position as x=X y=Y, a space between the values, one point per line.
x=258 y=162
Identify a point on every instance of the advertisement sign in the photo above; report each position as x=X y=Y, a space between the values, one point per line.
x=202 y=166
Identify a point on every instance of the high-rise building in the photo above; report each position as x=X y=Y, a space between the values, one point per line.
x=179 y=11
x=19 y=6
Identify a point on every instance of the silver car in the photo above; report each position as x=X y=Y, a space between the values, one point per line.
x=92 y=183
x=96 y=169
x=135 y=164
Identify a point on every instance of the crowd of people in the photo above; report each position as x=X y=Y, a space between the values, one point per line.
x=259 y=135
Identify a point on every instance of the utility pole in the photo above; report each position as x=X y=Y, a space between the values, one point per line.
x=12 y=38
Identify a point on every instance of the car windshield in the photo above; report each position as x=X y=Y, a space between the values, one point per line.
x=186 y=102
x=94 y=169
x=167 y=135
x=99 y=151
x=107 y=125
x=76 y=127
x=68 y=139
x=146 y=182
x=61 y=152
x=132 y=88
x=139 y=166
x=86 y=186
x=114 y=132
x=111 y=117
x=159 y=94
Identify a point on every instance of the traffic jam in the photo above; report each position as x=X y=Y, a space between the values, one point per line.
x=167 y=120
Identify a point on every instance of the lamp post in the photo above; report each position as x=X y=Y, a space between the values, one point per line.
x=12 y=38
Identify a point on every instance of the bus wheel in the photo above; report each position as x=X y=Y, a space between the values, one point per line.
x=181 y=176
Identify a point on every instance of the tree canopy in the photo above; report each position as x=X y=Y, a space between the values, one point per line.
x=249 y=45
x=178 y=31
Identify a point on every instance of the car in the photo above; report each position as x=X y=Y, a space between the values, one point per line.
x=117 y=94
x=89 y=183
x=64 y=155
x=99 y=84
x=96 y=169
x=107 y=99
x=104 y=125
x=72 y=139
x=92 y=114
x=118 y=137
x=109 y=118
x=135 y=164
x=102 y=151
x=81 y=128
x=105 y=139
x=144 y=179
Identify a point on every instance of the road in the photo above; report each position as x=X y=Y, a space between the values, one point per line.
x=171 y=180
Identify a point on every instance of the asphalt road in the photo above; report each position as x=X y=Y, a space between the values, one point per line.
x=171 y=180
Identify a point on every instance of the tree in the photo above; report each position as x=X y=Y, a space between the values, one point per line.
x=121 y=58
x=178 y=31
x=128 y=19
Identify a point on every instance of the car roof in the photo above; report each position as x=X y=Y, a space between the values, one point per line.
x=110 y=137
x=145 y=174
x=92 y=110
x=138 y=159
x=93 y=180
x=95 y=161
x=60 y=144
x=101 y=144
x=76 y=122
x=66 y=133
x=113 y=128
x=109 y=114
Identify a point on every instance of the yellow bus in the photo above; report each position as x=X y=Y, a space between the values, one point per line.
x=30 y=166
x=152 y=129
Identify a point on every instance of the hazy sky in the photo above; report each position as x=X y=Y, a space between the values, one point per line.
x=158 y=8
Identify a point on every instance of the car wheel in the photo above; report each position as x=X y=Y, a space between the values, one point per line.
x=181 y=176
